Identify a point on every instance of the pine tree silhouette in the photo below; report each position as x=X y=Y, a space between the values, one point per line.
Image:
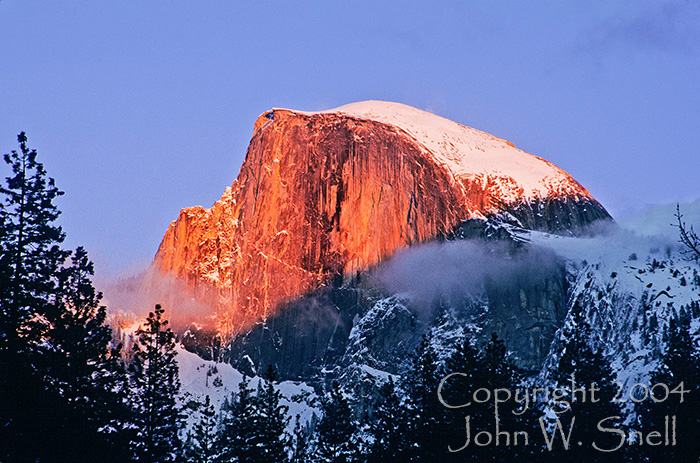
x=80 y=362
x=465 y=373
x=675 y=396
x=155 y=387
x=522 y=442
x=390 y=428
x=239 y=434
x=200 y=446
x=337 y=428
x=273 y=420
x=580 y=368
x=488 y=368
x=428 y=417
x=301 y=440
x=31 y=256
x=62 y=386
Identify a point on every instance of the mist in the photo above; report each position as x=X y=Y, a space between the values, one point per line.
x=454 y=270
x=130 y=299
x=449 y=271
x=651 y=232
x=660 y=220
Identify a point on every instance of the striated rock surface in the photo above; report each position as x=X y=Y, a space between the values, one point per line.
x=323 y=196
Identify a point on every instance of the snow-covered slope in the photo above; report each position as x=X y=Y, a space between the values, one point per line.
x=629 y=286
x=468 y=152
x=200 y=378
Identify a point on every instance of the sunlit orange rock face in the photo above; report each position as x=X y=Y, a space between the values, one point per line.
x=319 y=198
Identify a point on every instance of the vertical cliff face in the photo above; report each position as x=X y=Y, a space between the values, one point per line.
x=322 y=196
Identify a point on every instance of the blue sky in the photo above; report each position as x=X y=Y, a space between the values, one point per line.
x=141 y=108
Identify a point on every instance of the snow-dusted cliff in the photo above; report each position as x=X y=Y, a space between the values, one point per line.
x=323 y=196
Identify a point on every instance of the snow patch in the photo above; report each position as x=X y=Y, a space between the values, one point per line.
x=200 y=378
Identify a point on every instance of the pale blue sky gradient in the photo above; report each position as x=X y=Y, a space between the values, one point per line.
x=140 y=108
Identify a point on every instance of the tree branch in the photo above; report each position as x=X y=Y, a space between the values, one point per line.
x=687 y=236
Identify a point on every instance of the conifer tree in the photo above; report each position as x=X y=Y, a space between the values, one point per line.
x=155 y=386
x=79 y=363
x=390 y=428
x=488 y=368
x=78 y=326
x=239 y=433
x=580 y=369
x=200 y=446
x=499 y=373
x=675 y=396
x=30 y=259
x=428 y=418
x=336 y=431
x=32 y=255
x=301 y=439
x=466 y=365
x=273 y=420
x=61 y=385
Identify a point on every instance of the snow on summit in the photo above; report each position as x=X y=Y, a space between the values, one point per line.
x=471 y=153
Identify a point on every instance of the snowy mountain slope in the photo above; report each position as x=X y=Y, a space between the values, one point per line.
x=200 y=378
x=218 y=380
x=629 y=286
x=471 y=153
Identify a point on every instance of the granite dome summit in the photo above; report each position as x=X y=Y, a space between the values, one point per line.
x=324 y=195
